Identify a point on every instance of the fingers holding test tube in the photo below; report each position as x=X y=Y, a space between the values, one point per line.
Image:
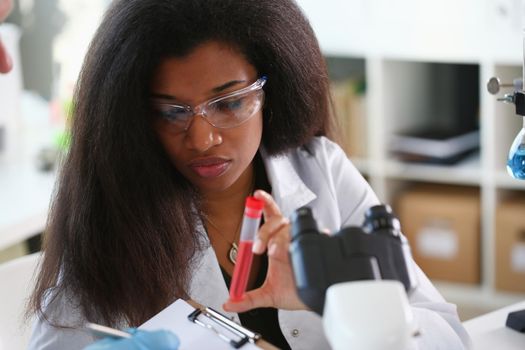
x=278 y=289
x=274 y=234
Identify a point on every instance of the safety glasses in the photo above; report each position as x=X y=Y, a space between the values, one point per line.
x=226 y=111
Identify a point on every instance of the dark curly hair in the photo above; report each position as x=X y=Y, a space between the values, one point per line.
x=121 y=236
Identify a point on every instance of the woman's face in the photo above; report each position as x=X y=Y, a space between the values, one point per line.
x=211 y=158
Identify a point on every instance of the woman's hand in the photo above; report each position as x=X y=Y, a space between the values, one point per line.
x=5 y=60
x=278 y=290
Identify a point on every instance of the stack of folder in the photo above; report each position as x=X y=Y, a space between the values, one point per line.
x=434 y=146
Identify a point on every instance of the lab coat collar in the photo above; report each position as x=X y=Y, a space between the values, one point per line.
x=288 y=189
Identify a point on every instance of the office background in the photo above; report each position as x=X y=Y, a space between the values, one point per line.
x=408 y=81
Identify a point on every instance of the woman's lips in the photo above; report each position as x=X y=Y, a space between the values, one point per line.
x=210 y=167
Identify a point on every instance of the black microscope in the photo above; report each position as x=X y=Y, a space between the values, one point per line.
x=374 y=251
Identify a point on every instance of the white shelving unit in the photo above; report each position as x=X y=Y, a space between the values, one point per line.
x=398 y=40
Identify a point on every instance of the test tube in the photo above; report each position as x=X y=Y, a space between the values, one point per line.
x=243 y=265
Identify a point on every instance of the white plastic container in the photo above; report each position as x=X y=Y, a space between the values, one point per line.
x=368 y=315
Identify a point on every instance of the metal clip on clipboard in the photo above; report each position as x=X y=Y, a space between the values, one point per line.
x=242 y=334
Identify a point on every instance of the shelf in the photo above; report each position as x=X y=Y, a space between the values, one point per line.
x=504 y=180
x=465 y=173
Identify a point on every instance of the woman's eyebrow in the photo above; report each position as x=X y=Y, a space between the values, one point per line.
x=227 y=85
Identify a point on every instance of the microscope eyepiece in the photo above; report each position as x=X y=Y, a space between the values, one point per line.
x=303 y=222
x=379 y=218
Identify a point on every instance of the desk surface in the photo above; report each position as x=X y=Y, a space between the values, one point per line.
x=489 y=331
x=25 y=193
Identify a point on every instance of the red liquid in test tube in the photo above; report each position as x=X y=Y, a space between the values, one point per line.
x=243 y=265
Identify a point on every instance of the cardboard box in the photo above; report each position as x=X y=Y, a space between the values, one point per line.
x=510 y=246
x=442 y=224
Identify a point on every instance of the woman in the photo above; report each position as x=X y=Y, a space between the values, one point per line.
x=183 y=108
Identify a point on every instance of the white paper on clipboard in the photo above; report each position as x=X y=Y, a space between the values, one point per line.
x=192 y=336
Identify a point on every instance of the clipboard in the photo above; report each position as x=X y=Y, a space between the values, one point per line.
x=204 y=328
x=221 y=325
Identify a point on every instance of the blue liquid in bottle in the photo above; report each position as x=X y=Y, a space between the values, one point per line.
x=516 y=160
x=516 y=164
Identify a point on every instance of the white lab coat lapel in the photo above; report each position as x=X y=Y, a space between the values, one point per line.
x=288 y=189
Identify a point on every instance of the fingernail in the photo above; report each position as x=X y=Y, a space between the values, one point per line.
x=258 y=247
x=325 y=230
x=260 y=193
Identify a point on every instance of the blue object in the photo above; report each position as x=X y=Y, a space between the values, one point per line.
x=141 y=340
x=516 y=160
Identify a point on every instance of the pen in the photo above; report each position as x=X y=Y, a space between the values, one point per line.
x=103 y=331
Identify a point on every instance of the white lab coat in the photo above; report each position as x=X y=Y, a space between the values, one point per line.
x=320 y=176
